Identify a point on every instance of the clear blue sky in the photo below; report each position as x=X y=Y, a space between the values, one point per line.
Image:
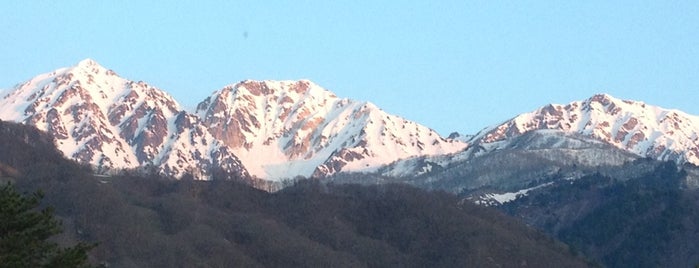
x=450 y=65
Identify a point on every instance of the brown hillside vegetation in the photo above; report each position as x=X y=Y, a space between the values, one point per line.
x=155 y=222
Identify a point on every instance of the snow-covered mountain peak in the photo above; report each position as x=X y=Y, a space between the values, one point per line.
x=603 y=98
x=279 y=129
x=281 y=88
x=283 y=129
x=88 y=71
x=89 y=63
x=99 y=118
x=643 y=129
x=609 y=104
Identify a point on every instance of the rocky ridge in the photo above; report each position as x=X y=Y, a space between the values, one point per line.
x=99 y=118
x=275 y=129
x=278 y=130
x=297 y=128
x=633 y=126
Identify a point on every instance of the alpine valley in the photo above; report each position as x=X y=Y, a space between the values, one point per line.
x=615 y=179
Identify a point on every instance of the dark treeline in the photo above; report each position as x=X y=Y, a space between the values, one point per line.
x=649 y=220
x=150 y=221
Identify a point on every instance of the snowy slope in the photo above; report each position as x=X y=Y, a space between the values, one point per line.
x=278 y=129
x=569 y=134
x=511 y=164
x=99 y=118
x=283 y=129
x=645 y=130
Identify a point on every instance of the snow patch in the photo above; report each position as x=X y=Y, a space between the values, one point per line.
x=503 y=198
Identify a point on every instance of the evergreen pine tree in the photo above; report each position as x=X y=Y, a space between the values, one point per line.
x=25 y=230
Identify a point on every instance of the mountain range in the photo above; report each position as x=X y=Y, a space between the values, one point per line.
x=615 y=179
x=277 y=130
x=269 y=130
x=563 y=141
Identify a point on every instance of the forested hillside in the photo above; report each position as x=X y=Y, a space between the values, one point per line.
x=621 y=219
x=148 y=221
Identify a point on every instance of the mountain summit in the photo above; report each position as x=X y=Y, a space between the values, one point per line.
x=278 y=129
x=99 y=118
x=639 y=128
x=558 y=140
x=275 y=130
x=296 y=128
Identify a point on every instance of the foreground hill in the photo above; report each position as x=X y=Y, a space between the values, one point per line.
x=643 y=214
x=155 y=222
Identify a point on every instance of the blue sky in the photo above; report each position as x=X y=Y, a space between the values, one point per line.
x=450 y=65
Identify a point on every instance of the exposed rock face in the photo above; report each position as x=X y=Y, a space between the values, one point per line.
x=555 y=141
x=99 y=118
x=283 y=129
x=279 y=129
x=642 y=129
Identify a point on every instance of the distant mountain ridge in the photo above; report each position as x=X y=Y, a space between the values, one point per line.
x=633 y=127
x=99 y=118
x=645 y=130
x=276 y=130
x=282 y=128
x=558 y=167
x=265 y=129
